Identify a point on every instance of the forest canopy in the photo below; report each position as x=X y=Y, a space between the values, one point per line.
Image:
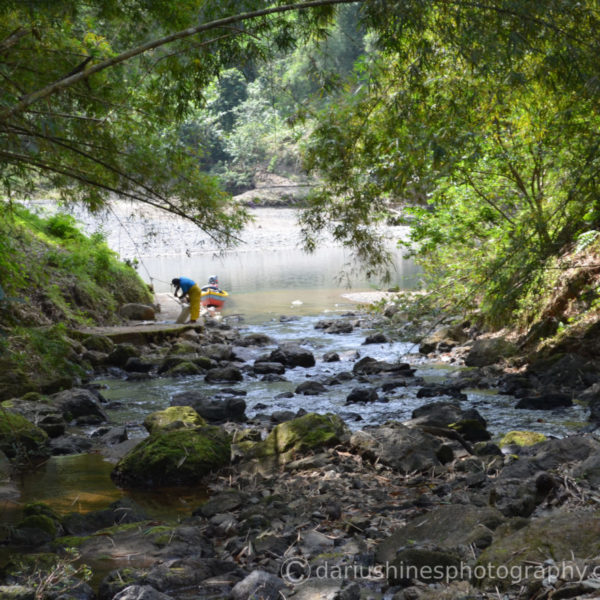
x=479 y=119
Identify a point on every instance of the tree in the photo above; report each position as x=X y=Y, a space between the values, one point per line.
x=484 y=118
x=93 y=91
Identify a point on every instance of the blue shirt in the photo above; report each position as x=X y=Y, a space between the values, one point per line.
x=185 y=284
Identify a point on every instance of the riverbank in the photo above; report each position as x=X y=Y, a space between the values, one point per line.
x=307 y=505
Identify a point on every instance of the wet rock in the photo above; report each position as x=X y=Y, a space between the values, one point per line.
x=310 y=388
x=69 y=444
x=389 y=386
x=78 y=402
x=371 y=366
x=109 y=436
x=121 y=353
x=217 y=352
x=99 y=343
x=202 y=363
x=138 y=365
x=376 y=338
x=335 y=326
x=39 y=410
x=469 y=423
x=137 y=312
x=21 y=439
x=214 y=410
x=443 y=339
x=120 y=512
x=255 y=339
x=397 y=446
x=545 y=401
x=487 y=449
x=224 y=502
x=174 y=417
x=488 y=351
x=259 y=584
x=281 y=416
x=141 y=592
x=292 y=355
x=331 y=357
x=184 y=368
x=224 y=374
x=178 y=457
x=362 y=394
x=264 y=368
x=433 y=390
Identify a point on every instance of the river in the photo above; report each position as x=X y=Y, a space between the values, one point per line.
x=267 y=276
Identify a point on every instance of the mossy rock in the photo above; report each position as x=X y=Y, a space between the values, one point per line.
x=296 y=437
x=179 y=457
x=183 y=347
x=522 y=438
x=183 y=369
x=20 y=438
x=99 y=343
x=174 y=417
x=41 y=522
x=562 y=536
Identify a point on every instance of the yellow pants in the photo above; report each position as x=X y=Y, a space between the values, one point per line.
x=194 y=295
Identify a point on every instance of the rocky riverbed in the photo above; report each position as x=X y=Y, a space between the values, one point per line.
x=301 y=504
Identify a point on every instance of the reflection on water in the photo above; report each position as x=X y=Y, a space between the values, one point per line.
x=81 y=483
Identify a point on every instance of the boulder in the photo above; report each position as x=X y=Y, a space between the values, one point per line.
x=397 y=446
x=335 y=326
x=38 y=409
x=99 y=343
x=259 y=584
x=310 y=388
x=521 y=438
x=223 y=374
x=331 y=357
x=292 y=355
x=488 y=351
x=178 y=457
x=69 y=444
x=174 y=417
x=371 y=366
x=19 y=438
x=138 y=365
x=545 y=401
x=141 y=592
x=443 y=339
x=119 y=512
x=562 y=536
x=78 y=402
x=214 y=410
x=137 y=312
x=362 y=394
x=433 y=390
x=121 y=353
x=265 y=368
x=296 y=437
x=376 y=338
x=255 y=339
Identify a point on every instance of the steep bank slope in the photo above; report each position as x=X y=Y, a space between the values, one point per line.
x=52 y=277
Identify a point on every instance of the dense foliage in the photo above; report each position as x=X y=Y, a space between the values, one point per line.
x=483 y=118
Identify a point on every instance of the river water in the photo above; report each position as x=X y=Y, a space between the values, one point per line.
x=267 y=276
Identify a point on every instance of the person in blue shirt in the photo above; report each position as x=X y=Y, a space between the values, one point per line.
x=189 y=288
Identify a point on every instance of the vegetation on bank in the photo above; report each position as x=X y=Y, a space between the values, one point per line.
x=54 y=278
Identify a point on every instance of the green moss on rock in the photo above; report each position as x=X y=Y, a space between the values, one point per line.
x=20 y=438
x=185 y=368
x=179 y=457
x=174 y=417
x=522 y=438
x=41 y=522
x=296 y=437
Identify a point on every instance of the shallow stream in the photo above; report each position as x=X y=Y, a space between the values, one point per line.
x=267 y=277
